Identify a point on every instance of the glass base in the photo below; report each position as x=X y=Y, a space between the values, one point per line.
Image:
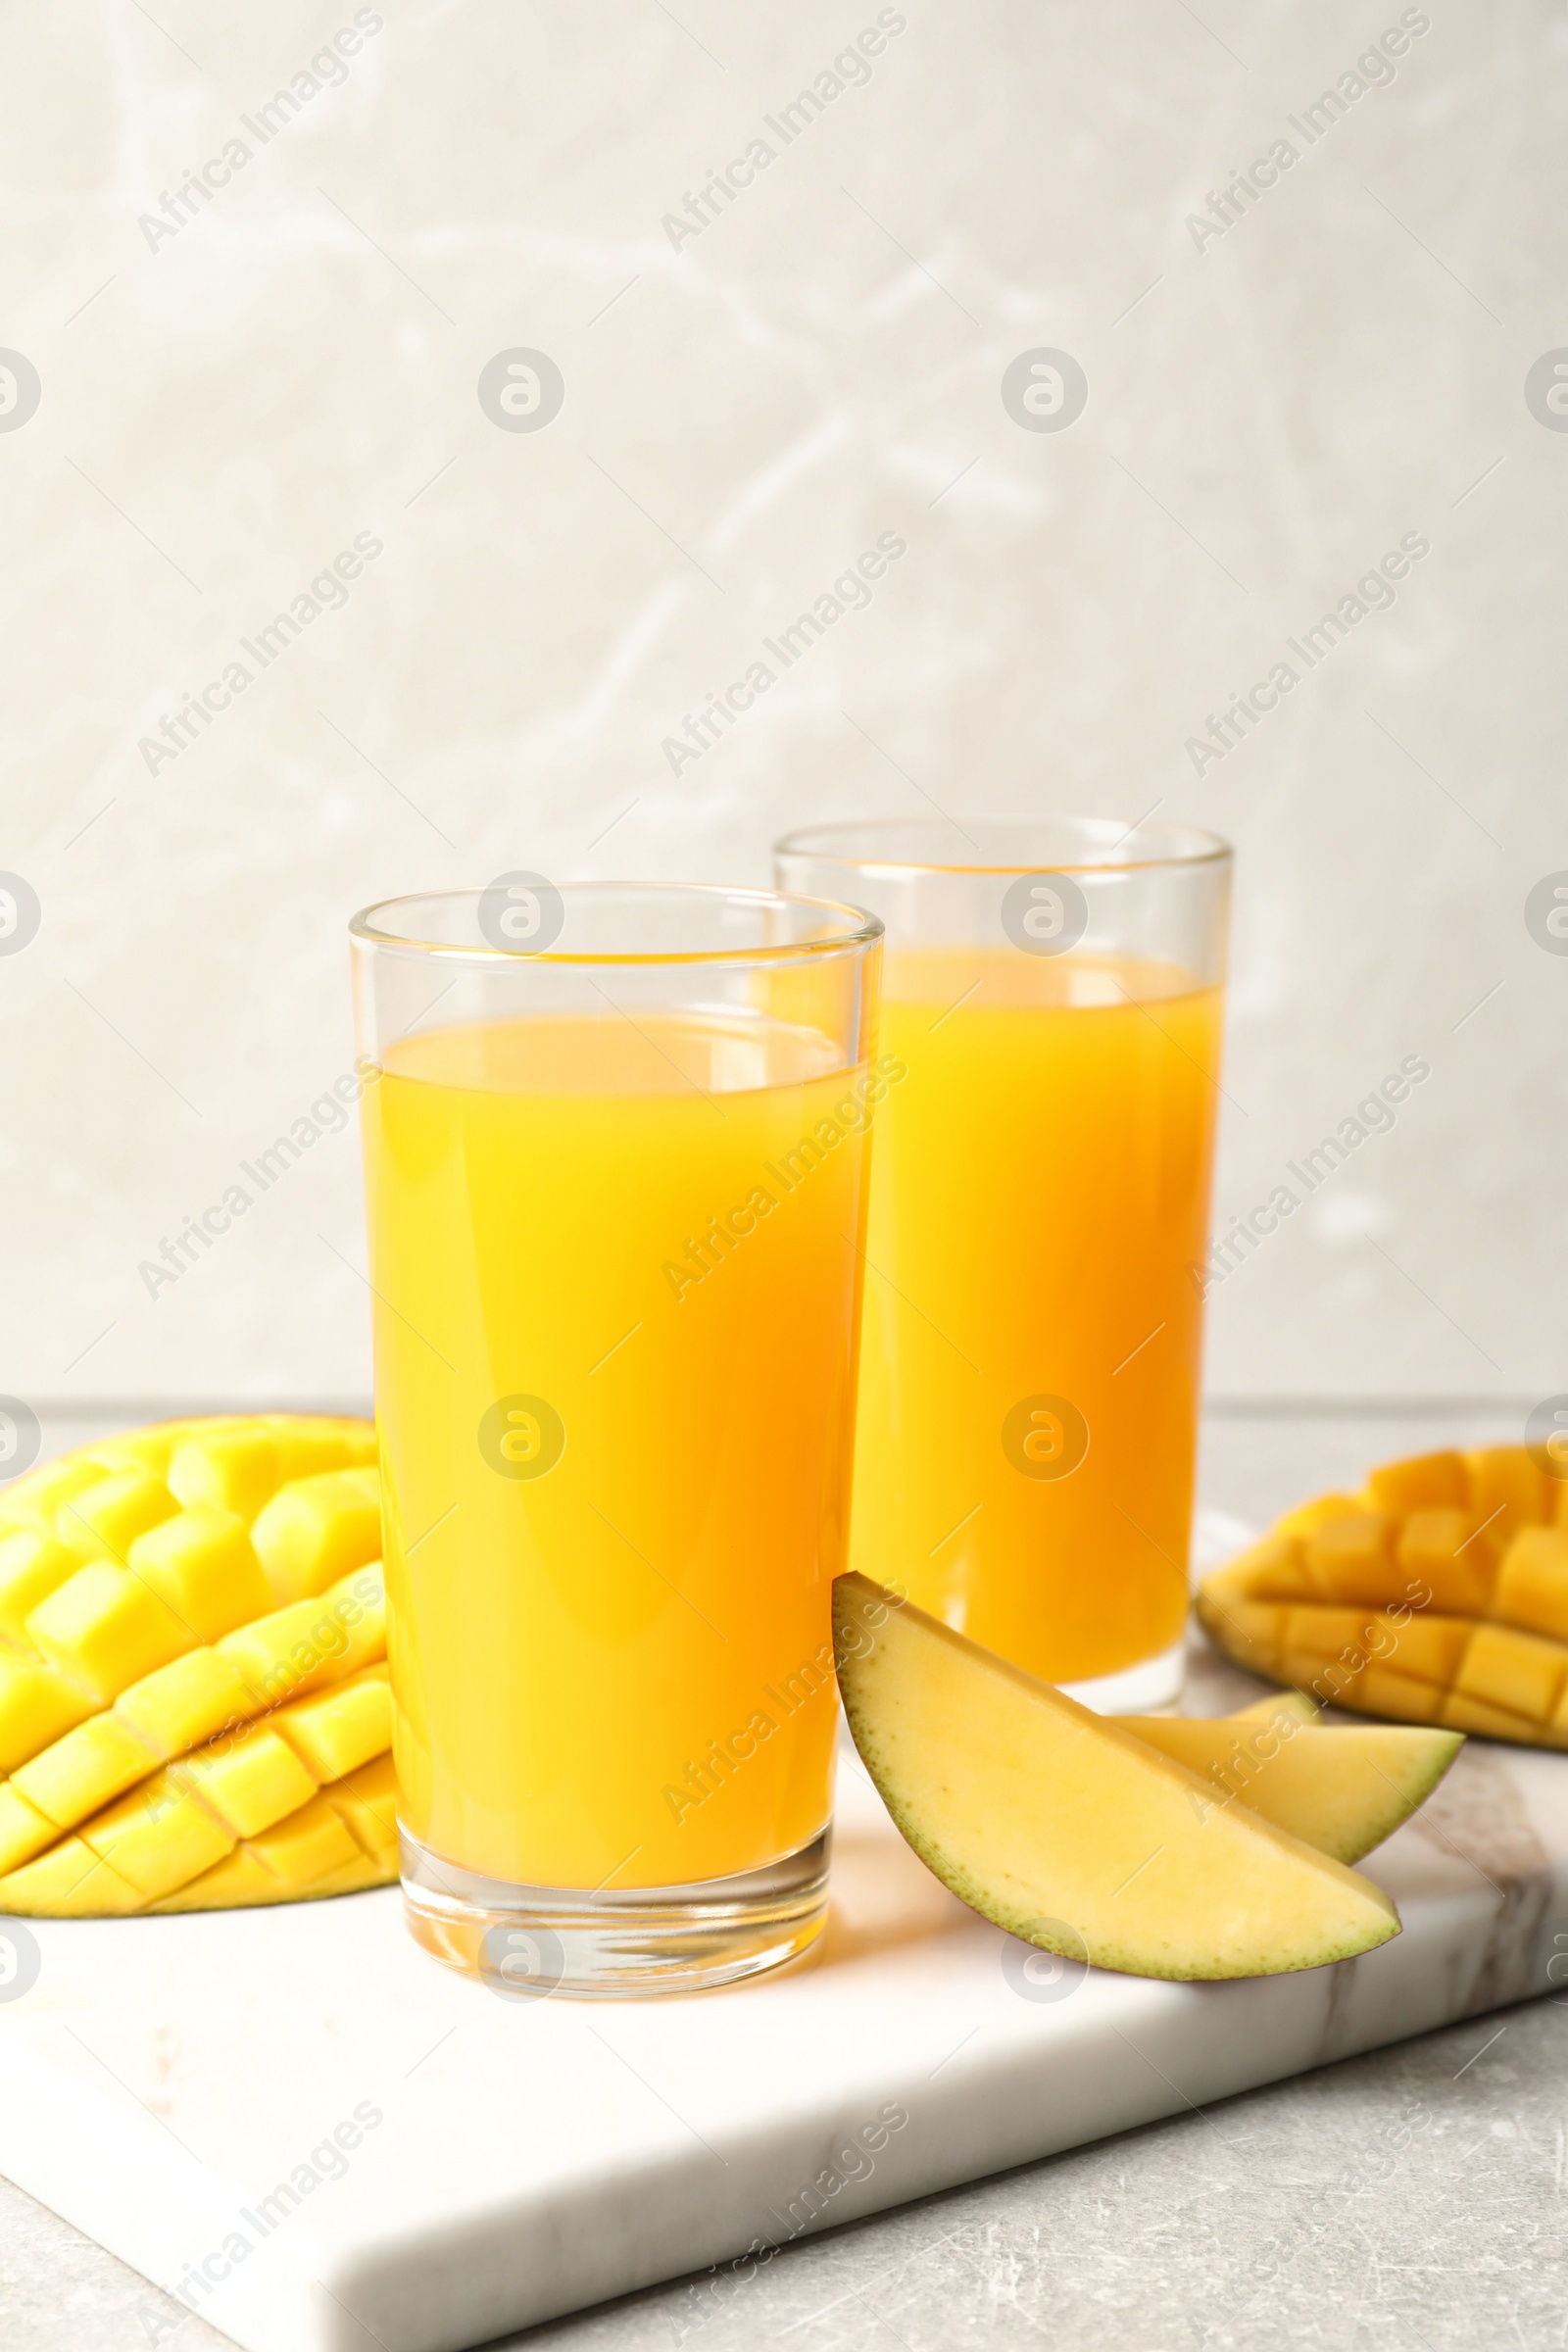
x=1140 y=1690
x=525 y=1942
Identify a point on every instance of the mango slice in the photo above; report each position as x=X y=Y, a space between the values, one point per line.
x=1342 y=1791
x=1067 y=1830
x=1439 y=1595
x=175 y=1739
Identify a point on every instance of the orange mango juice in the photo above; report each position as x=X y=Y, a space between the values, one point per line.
x=1030 y=1347
x=616 y=1271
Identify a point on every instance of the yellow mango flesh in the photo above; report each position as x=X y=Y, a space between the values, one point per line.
x=23 y=1830
x=366 y=1800
x=251 y=1785
x=342 y=1727
x=1457 y=1567
x=175 y=1739
x=104 y=1629
x=90 y=1766
x=34 y=1502
x=102 y=1521
x=156 y=1837
x=316 y=1530
x=1067 y=1830
x=1342 y=1791
x=33 y=1565
x=36 y=1704
x=202 y=1566
x=196 y=1698
x=70 y=1882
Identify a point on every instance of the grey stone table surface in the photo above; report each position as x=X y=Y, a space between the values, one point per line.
x=1414 y=2200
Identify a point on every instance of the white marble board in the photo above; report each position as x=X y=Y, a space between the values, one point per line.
x=162 y=2077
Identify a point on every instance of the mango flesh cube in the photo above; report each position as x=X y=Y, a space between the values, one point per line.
x=366 y=1800
x=1516 y=1672
x=90 y=1766
x=239 y=1879
x=1349 y=1557
x=1333 y=1681
x=1276 y=1570
x=298 y=1648
x=23 y=1830
x=255 y=1783
x=202 y=1566
x=1532 y=1583
x=103 y=1523
x=36 y=1705
x=236 y=1469
x=1325 y=1632
x=69 y=1882
x=1467 y=1714
x=1382 y=1692
x=1037 y=1813
x=314 y=1532
x=35 y=1500
x=104 y=1630
x=240 y=1466
x=308 y=1453
x=362 y=1438
x=1427 y=1649
x=306 y=1845
x=281 y=1654
x=342 y=1727
x=149 y=1450
x=186 y=1702
x=242 y=1878
x=156 y=1837
x=1309 y=1517
x=352 y=1878
x=1420 y=1479
x=1252 y=1630
x=1503 y=1480
x=1449 y=1554
x=33 y=1565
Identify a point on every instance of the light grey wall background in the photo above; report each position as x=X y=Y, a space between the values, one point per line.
x=228 y=404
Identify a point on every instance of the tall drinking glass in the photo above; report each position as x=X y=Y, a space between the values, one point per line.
x=1029 y=1386
x=615 y=1179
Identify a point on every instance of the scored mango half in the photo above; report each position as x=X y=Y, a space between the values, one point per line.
x=194 y=1708
x=1438 y=1594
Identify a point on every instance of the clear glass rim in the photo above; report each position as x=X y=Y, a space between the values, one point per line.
x=850 y=928
x=1181 y=845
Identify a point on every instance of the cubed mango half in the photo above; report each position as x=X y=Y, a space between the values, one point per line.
x=175 y=1739
x=1461 y=1560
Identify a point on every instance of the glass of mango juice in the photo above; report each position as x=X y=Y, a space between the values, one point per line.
x=615 y=1175
x=1051 y=998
